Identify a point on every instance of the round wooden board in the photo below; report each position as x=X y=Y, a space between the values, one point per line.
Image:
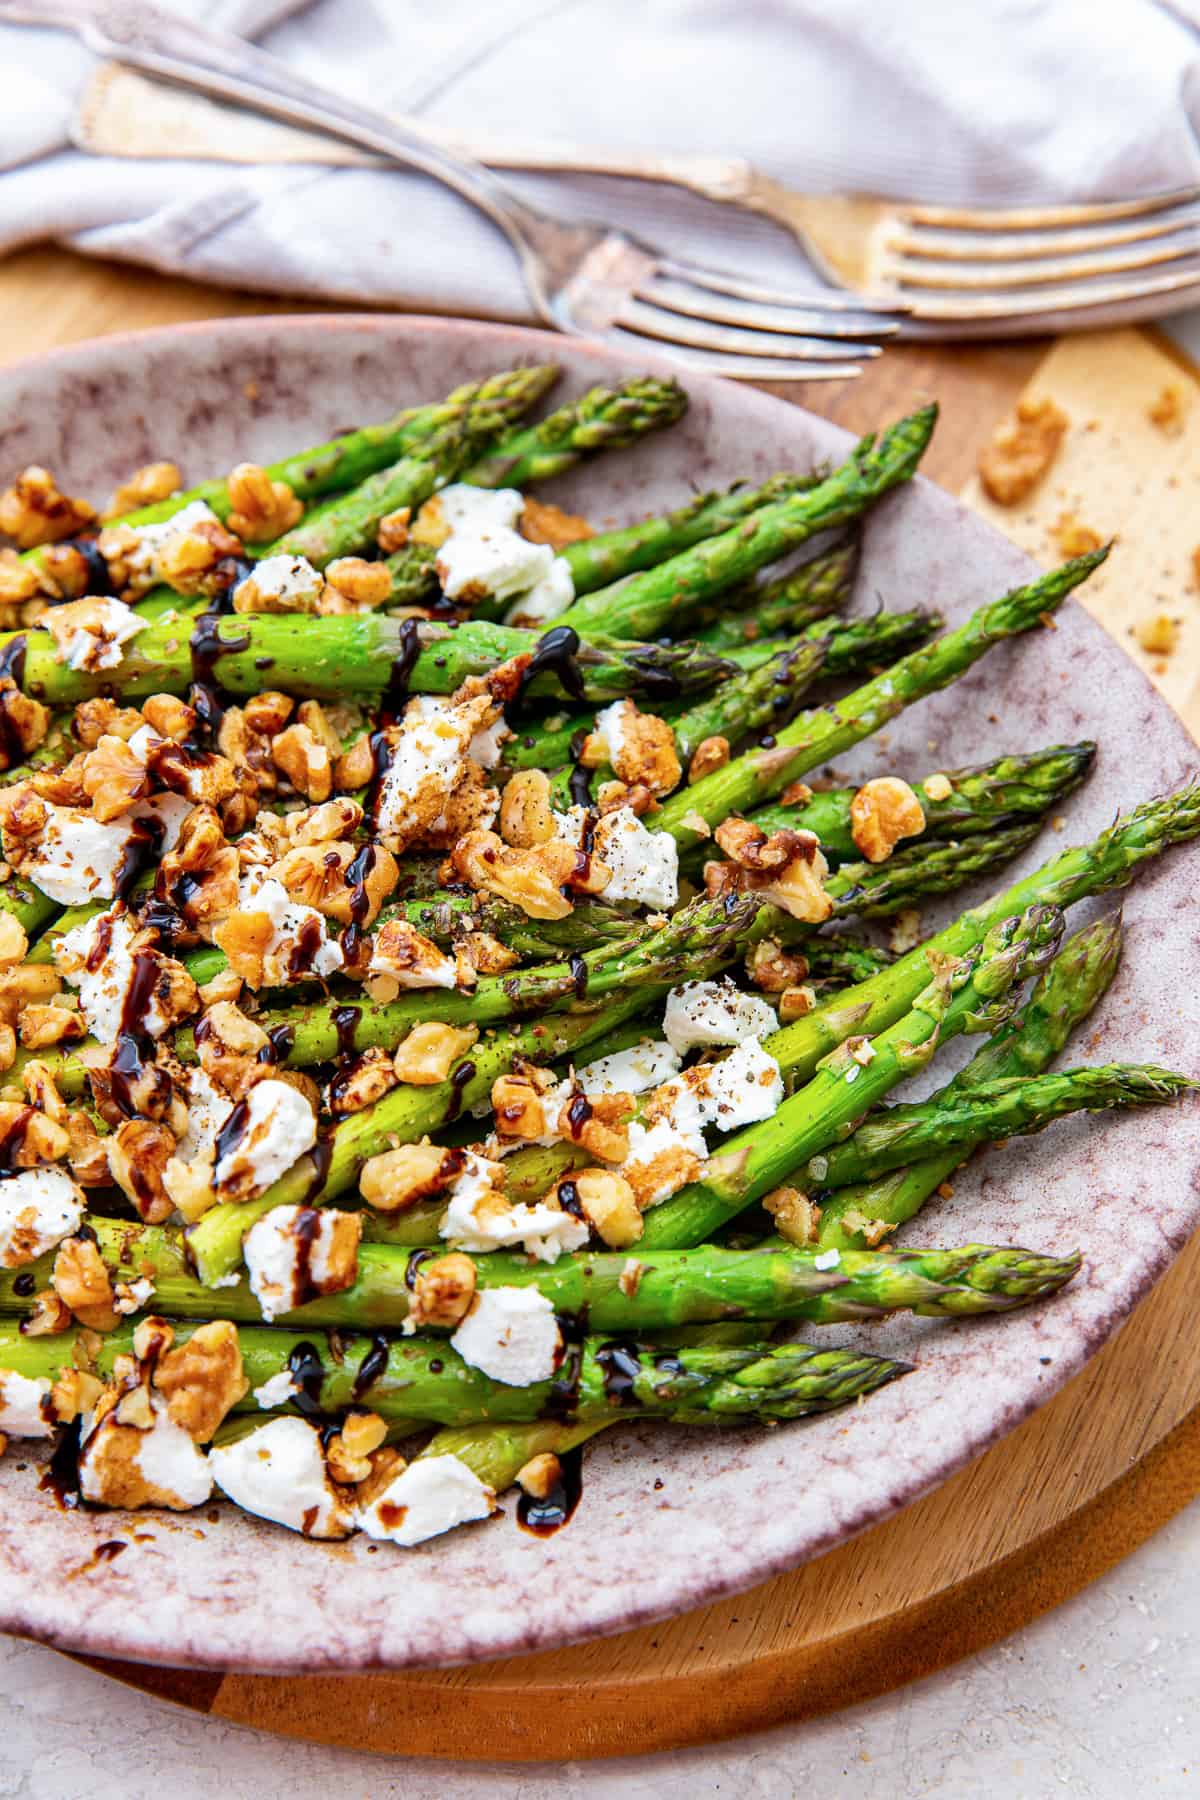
x=1064 y=1497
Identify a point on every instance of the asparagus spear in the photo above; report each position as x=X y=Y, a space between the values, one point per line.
x=873 y=890
x=981 y=799
x=788 y=603
x=815 y=737
x=1026 y=1045
x=673 y=1288
x=753 y=1161
x=602 y=419
x=1109 y=861
x=347 y=523
x=1011 y=1106
x=646 y=605
x=839 y=958
x=426 y=1381
x=353 y=657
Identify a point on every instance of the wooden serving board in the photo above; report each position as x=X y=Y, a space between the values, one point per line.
x=1067 y=1494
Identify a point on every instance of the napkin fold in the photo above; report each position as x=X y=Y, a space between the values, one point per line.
x=1000 y=102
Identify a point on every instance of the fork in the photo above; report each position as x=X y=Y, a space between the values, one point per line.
x=586 y=280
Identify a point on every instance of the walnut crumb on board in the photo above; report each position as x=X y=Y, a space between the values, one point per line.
x=1157 y=634
x=1169 y=411
x=1073 y=537
x=1020 y=450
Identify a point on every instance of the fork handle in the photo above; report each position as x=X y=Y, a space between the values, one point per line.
x=229 y=68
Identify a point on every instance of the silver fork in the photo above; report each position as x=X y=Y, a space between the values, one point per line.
x=587 y=280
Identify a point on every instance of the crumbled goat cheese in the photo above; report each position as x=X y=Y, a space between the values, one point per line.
x=611 y=727
x=97 y=645
x=291 y=922
x=644 y=864
x=647 y=1143
x=166 y=1458
x=207 y=1110
x=278 y=1127
x=485 y=554
x=714 y=1012
x=429 y=1496
x=277 y=1390
x=24 y=1404
x=132 y=1295
x=543 y=1231
x=278 y=1473
x=142 y=558
x=38 y=1209
x=828 y=1259
x=512 y=1334
x=434 y=969
x=630 y=1071
x=741 y=1089
x=104 y=941
x=426 y=764
x=291 y=580
x=286 y=1266
x=77 y=857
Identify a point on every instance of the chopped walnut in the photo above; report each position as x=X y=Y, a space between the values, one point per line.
x=203 y=1380
x=872 y=1231
x=101 y=717
x=526 y=814
x=354 y=585
x=397 y=1179
x=392 y=532
x=796 y=793
x=774 y=969
x=191 y=1186
x=40 y=1027
x=188 y=561
x=442 y=1291
x=517 y=1102
x=796 y=888
x=73 y=1393
x=260 y=509
x=749 y=845
x=1021 y=450
x=18 y=581
x=881 y=813
x=431 y=526
x=226 y=1041
x=609 y=1201
x=542 y=523
x=48 y=1316
x=33 y=510
x=795 y=1216
x=13 y=940
x=81 y=1281
x=640 y=746
x=25 y=721
x=796 y=1003
x=169 y=716
x=32 y=1138
x=87 y=1152
x=145 y=487
x=598 y=1123
x=318 y=875
x=113 y=778
x=306 y=762
x=710 y=754
x=1169 y=410
x=138 y=1154
x=349 y=1452
x=367 y=1079
x=485 y=954
x=540 y=1475
x=1073 y=538
x=430 y=1051
x=937 y=787
x=1158 y=634
x=532 y=879
x=906 y=930
x=356 y=766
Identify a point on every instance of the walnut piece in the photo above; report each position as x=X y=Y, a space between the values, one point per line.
x=1021 y=450
x=609 y=1202
x=526 y=813
x=203 y=1380
x=774 y=969
x=113 y=778
x=81 y=1281
x=367 y=1079
x=138 y=1154
x=397 y=1179
x=33 y=510
x=442 y=1291
x=794 y=1214
x=350 y=1452
x=1157 y=633
x=430 y=1051
x=543 y=523
x=354 y=585
x=260 y=509
x=147 y=485
x=1074 y=538
x=532 y=879
x=881 y=813
x=710 y=754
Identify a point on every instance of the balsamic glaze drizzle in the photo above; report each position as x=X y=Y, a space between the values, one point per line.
x=546 y=1516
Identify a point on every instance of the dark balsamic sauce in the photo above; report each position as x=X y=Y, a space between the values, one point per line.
x=278 y=1046
x=464 y=1074
x=321 y=1155
x=231 y=1131
x=579 y=974
x=12 y=659
x=563 y=1399
x=395 y=694
x=61 y=1474
x=24 y=1285
x=13 y=1138
x=207 y=647
x=554 y=654
x=358 y=871
x=544 y=1517
x=143 y=848
x=568 y=1199
x=345 y=1022
x=415 y=1259
x=371 y=1367
x=308 y=1374
x=578 y=1113
x=621 y=1367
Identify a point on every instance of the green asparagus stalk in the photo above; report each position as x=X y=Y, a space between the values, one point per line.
x=839 y=958
x=1109 y=861
x=354 y=655
x=815 y=737
x=981 y=799
x=961 y=997
x=1025 y=1046
x=787 y=604
x=346 y=523
x=1015 y=1105
x=603 y=419
x=875 y=890
x=647 y=605
x=673 y=1288
x=426 y=1381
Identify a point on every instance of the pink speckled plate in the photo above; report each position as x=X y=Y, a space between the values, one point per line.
x=669 y=1519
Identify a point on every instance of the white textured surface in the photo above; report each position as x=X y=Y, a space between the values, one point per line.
x=1099 y=1692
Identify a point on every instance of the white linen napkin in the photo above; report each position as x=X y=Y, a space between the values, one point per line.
x=995 y=102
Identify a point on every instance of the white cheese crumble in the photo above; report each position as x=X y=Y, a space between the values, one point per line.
x=429 y=1496
x=543 y=1232
x=77 y=857
x=22 y=1405
x=741 y=1089
x=96 y=638
x=630 y=1071
x=278 y=1472
x=169 y=1459
x=290 y=580
x=510 y=1333
x=282 y=1263
x=38 y=1209
x=485 y=554
x=702 y=1013
x=277 y=1390
x=279 y=1128
x=644 y=864
x=429 y=967
x=427 y=762
x=827 y=1259
x=207 y=1110
x=141 y=559
x=105 y=941
x=259 y=893
x=133 y=1295
x=611 y=727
